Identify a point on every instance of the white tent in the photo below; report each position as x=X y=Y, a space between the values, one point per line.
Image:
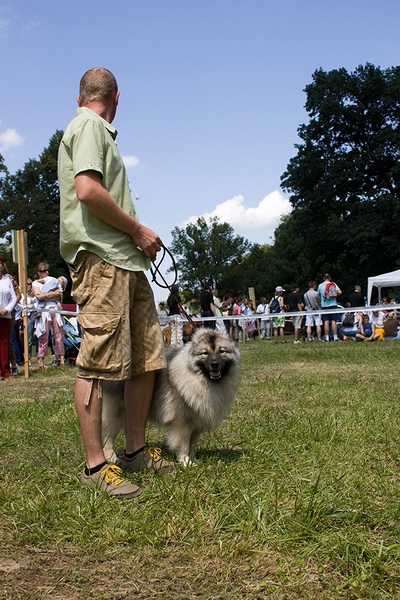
x=381 y=281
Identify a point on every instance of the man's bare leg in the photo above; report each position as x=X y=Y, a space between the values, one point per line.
x=327 y=328
x=138 y=394
x=89 y=417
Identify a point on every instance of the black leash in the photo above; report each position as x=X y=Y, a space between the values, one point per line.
x=155 y=270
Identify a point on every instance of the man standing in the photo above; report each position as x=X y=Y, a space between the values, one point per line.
x=108 y=250
x=329 y=292
x=356 y=298
x=295 y=304
x=312 y=303
x=207 y=305
x=265 y=323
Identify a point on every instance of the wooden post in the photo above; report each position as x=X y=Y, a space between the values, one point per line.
x=21 y=256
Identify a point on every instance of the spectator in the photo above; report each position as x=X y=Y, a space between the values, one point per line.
x=48 y=318
x=367 y=331
x=312 y=303
x=12 y=350
x=377 y=317
x=329 y=292
x=352 y=324
x=164 y=324
x=356 y=298
x=295 y=304
x=207 y=305
x=16 y=337
x=218 y=312
x=162 y=315
x=248 y=324
x=227 y=309
x=390 y=326
x=175 y=309
x=8 y=300
x=265 y=322
x=31 y=303
x=277 y=305
x=237 y=323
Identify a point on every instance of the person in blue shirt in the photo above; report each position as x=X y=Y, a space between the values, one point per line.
x=329 y=293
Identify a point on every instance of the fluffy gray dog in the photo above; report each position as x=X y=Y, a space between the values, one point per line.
x=193 y=394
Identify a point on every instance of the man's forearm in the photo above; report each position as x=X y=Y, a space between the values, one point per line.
x=99 y=202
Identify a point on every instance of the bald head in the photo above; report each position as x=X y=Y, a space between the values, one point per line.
x=97 y=85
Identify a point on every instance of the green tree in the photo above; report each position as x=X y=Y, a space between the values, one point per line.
x=204 y=250
x=3 y=168
x=345 y=179
x=30 y=200
x=253 y=270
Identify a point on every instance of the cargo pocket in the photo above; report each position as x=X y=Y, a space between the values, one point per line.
x=100 y=350
x=86 y=279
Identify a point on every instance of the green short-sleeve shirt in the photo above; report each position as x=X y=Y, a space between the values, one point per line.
x=89 y=144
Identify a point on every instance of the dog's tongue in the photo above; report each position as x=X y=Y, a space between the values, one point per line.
x=215 y=374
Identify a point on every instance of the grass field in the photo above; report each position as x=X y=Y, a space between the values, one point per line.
x=296 y=496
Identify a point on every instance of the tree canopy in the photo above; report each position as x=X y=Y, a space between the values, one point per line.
x=344 y=180
x=204 y=250
x=30 y=200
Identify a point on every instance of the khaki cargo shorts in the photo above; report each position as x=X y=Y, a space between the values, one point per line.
x=121 y=336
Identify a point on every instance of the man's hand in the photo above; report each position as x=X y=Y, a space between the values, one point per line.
x=146 y=240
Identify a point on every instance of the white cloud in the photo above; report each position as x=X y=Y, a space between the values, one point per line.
x=131 y=161
x=32 y=27
x=255 y=223
x=4 y=23
x=10 y=139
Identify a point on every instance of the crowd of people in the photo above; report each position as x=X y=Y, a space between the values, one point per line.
x=43 y=298
x=321 y=322
x=46 y=325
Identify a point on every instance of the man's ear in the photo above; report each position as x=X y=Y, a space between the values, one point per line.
x=78 y=99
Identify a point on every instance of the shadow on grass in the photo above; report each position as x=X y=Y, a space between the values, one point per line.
x=224 y=455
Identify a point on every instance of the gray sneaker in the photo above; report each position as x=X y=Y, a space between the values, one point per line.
x=148 y=459
x=109 y=480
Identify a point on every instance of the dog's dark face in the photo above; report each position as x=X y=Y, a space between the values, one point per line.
x=213 y=353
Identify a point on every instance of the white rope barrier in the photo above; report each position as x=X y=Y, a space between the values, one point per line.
x=323 y=311
x=30 y=309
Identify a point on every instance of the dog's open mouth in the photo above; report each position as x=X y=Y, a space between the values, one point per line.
x=215 y=374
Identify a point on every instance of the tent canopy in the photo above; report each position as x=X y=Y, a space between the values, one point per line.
x=381 y=281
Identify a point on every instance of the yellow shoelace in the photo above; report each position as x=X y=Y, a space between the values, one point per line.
x=155 y=453
x=113 y=475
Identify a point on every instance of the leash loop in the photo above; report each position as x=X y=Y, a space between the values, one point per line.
x=155 y=271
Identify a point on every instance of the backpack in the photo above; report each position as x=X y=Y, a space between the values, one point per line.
x=275 y=306
x=348 y=321
x=330 y=290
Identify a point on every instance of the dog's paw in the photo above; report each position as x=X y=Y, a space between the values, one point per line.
x=186 y=461
x=112 y=458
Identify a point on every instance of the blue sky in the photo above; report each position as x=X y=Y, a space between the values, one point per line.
x=211 y=91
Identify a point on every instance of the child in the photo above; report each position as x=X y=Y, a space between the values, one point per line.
x=367 y=331
x=50 y=284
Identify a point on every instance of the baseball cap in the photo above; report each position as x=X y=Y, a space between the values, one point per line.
x=279 y=288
